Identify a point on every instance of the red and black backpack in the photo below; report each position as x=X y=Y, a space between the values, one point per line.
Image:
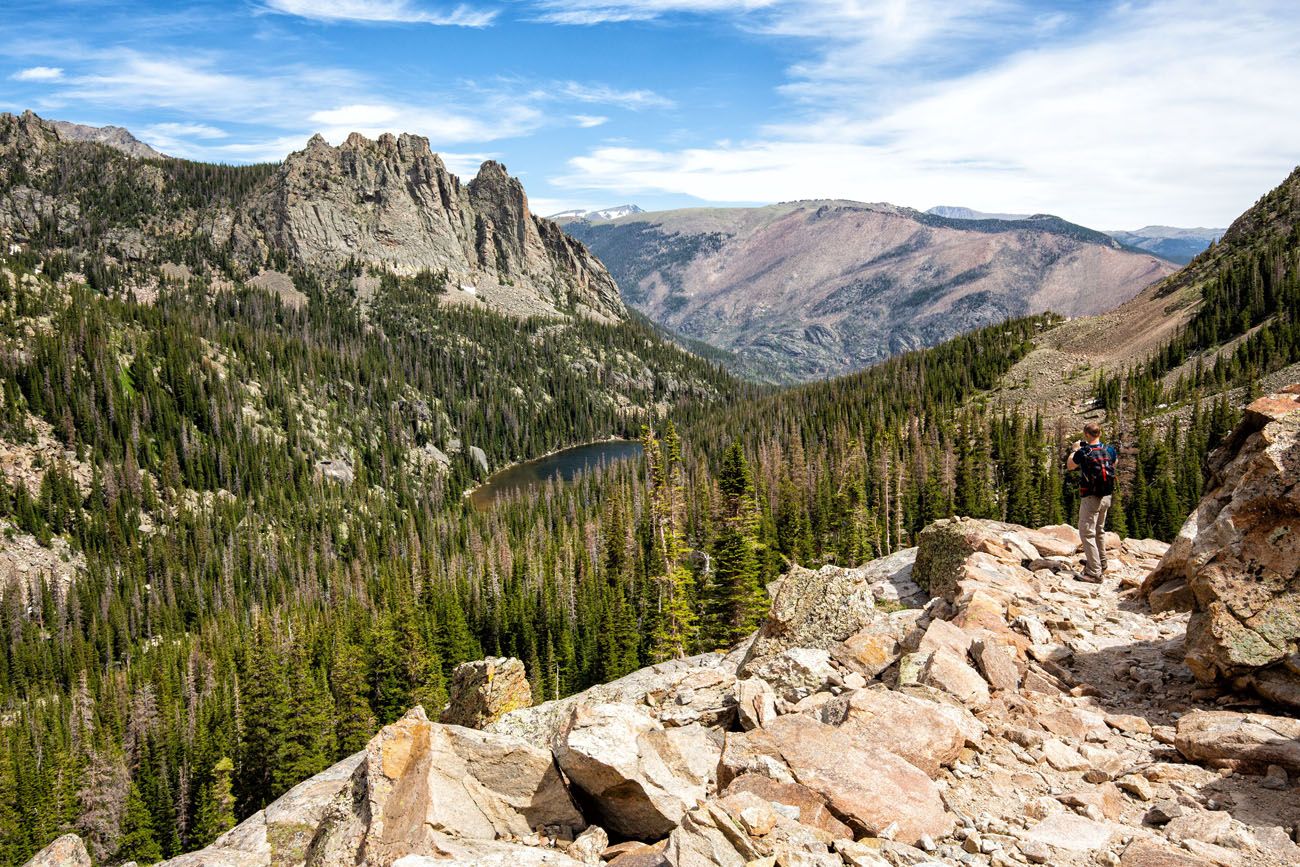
x=1098 y=470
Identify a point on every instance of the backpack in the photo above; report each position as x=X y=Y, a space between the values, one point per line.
x=1098 y=470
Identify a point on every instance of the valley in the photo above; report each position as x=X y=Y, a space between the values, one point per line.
x=241 y=407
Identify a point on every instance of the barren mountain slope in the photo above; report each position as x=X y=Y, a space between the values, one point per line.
x=1058 y=374
x=811 y=289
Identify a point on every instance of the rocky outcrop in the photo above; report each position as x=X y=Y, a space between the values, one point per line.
x=818 y=609
x=1029 y=718
x=484 y=691
x=392 y=204
x=1236 y=561
x=66 y=851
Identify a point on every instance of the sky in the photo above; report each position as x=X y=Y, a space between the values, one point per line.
x=1111 y=114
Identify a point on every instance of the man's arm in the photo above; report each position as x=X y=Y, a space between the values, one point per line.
x=1069 y=462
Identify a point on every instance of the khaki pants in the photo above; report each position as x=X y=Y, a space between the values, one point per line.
x=1092 y=533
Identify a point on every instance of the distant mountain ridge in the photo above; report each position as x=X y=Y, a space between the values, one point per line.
x=809 y=289
x=115 y=137
x=613 y=213
x=1168 y=242
x=1175 y=244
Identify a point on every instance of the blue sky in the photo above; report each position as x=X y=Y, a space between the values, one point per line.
x=1113 y=114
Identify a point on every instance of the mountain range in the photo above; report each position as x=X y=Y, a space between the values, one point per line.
x=805 y=290
x=1168 y=242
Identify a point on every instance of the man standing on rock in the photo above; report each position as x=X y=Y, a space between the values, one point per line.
x=1096 y=464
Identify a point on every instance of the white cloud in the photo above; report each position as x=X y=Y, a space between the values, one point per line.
x=39 y=73
x=383 y=12
x=466 y=165
x=178 y=138
x=1168 y=112
x=603 y=94
x=588 y=121
x=185 y=130
x=585 y=12
x=498 y=117
x=198 y=84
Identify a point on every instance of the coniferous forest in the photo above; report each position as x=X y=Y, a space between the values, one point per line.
x=241 y=617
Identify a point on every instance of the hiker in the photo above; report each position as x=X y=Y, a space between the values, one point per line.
x=1096 y=464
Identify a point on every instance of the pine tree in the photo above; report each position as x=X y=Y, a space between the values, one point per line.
x=138 y=841
x=264 y=712
x=216 y=810
x=675 y=625
x=354 y=720
x=308 y=744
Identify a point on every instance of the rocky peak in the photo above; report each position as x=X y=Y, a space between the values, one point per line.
x=391 y=203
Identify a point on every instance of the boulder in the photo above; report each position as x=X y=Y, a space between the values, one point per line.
x=422 y=779
x=1145 y=852
x=879 y=644
x=1239 y=556
x=1250 y=740
x=66 y=851
x=794 y=674
x=912 y=728
x=416 y=786
x=752 y=752
x=1071 y=833
x=947 y=671
x=588 y=846
x=743 y=829
x=868 y=788
x=644 y=688
x=815 y=609
x=944 y=547
x=640 y=776
x=810 y=808
x=706 y=696
x=755 y=703
x=997 y=662
x=1058 y=540
x=484 y=691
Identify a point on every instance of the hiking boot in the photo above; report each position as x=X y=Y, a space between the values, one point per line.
x=1086 y=578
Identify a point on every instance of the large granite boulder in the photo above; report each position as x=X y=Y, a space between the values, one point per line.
x=916 y=729
x=679 y=691
x=419 y=789
x=66 y=851
x=744 y=829
x=1250 y=741
x=485 y=690
x=818 y=609
x=1239 y=555
x=870 y=789
x=639 y=776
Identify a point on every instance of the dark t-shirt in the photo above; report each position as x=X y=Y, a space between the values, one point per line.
x=1078 y=462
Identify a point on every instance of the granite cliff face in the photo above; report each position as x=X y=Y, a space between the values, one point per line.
x=389 y=205
x=392 y=204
